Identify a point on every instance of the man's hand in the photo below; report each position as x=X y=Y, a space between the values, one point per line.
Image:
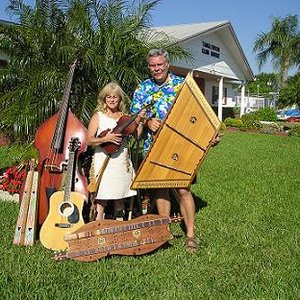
x=216 y=140
x=154 y=124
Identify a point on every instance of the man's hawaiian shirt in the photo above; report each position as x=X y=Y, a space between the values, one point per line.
x=163 y=97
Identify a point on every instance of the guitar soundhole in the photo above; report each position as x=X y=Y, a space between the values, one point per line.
x=75 y=216
x=66 y=209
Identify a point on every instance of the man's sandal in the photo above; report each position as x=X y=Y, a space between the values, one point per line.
x=191 y=244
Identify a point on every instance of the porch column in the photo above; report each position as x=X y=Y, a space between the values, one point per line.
x=220 y=99
x=242 y=107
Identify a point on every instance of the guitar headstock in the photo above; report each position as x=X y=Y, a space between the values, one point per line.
x=74 y=144
x=60 y=255
x=176 y=218
x=32 y=164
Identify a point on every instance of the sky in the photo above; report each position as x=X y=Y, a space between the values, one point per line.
x=249 y=18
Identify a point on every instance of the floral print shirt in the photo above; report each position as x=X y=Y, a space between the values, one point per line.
x=163 y=96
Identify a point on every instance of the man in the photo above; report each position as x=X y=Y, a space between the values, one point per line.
x=162 y=87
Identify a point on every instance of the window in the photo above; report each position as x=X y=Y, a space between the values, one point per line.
x=215 y=95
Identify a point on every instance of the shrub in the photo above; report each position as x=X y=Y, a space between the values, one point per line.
x=271 y=128
x=265 y=114
x=231 y=122
x=295 y=131
x=250 y=122
x=16 y=154
x=223 y=127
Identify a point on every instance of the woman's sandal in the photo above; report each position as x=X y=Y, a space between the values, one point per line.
x=191 y=244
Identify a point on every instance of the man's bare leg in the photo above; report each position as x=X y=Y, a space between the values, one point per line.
x=163 y=202
x=100 y=206
x=187 y=209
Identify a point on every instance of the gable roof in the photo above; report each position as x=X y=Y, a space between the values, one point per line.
x=7 y=22
x=185 y=32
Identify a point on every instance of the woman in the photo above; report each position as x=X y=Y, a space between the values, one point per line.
x=118 y=173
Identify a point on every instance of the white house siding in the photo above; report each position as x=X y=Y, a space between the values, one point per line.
x=223 y=66
x=228 y=100
x=218 y=60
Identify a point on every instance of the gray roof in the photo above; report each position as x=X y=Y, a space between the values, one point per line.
x=187 y=31
x=4 y=22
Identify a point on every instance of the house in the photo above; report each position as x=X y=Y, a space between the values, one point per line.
x=219 y=67
x=3 y=56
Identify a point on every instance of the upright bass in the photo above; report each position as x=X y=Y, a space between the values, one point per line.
x=52 y=140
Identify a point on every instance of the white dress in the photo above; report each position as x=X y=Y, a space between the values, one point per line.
x=119 y=173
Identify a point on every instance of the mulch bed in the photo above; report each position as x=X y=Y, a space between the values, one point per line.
x=234 y=129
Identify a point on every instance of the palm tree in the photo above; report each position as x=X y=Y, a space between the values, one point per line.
x=109 y=39
x=290 y=93
x=281 y=44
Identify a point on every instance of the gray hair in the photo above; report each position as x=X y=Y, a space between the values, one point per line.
x=158 y=52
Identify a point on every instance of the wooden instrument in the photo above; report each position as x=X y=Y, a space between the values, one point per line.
x=26 y=222
x=51 y=140
x=98 y=239
x=182 y=142
x=126 y=125
x=65 y=214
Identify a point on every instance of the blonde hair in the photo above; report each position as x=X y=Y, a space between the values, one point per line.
x=110 y=88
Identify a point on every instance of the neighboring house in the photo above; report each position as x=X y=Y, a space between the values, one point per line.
x=3 y=59
x=255 y=103
x=220 y=66
x=3 y=56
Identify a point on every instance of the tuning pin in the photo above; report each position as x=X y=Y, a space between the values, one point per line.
x=59 y=255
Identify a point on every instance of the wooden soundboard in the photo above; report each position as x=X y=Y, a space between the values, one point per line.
x=182 y=142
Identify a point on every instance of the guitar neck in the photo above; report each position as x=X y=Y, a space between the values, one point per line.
x=69 y=176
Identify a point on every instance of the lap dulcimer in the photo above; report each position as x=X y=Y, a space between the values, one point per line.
x=98 y=239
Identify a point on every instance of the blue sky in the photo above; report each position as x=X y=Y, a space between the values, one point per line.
x=248 y=18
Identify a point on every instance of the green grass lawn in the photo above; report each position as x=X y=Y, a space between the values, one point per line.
x=247 y=224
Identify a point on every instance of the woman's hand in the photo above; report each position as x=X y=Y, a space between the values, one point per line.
x=115 y=138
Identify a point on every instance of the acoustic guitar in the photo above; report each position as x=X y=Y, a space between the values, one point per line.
x=65 y=208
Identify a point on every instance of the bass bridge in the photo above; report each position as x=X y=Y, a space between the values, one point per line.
x=57 y=169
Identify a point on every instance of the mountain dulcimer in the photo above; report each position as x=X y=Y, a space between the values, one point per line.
x=98 y=239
